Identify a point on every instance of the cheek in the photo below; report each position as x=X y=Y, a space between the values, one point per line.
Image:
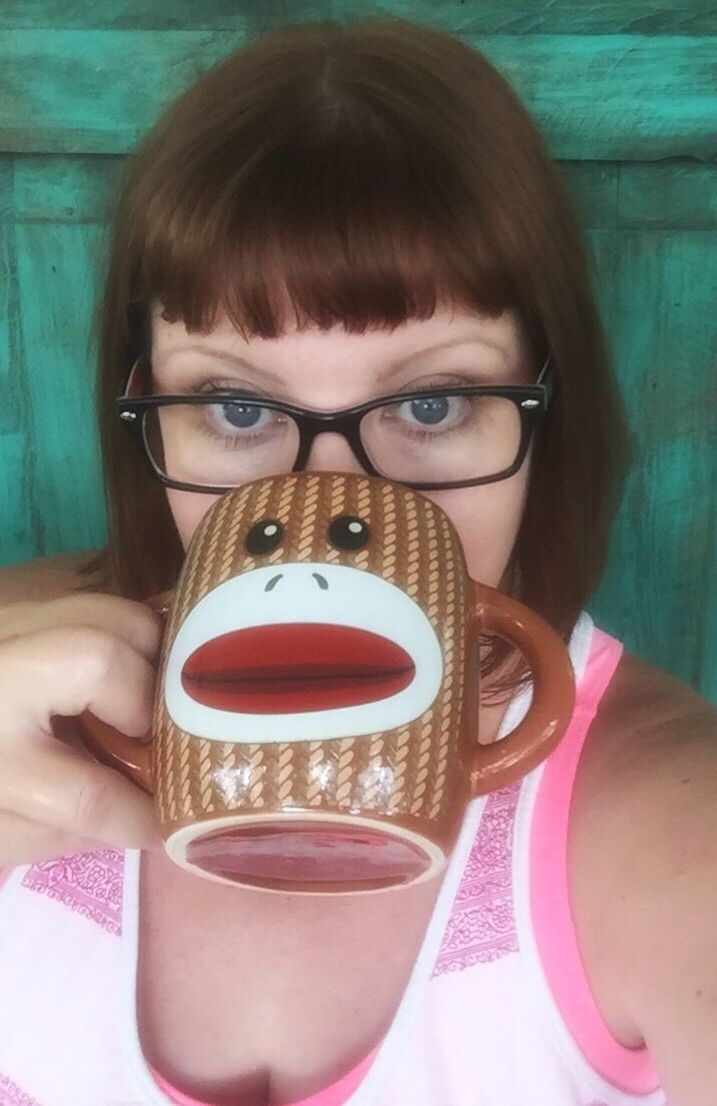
x=188 y=509
x=487 y=519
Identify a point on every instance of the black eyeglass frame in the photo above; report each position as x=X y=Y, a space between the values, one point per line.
x=532 y=401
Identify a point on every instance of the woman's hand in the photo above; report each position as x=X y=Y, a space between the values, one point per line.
x=59 y=658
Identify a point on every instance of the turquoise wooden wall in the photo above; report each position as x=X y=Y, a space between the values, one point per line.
x=625 y=93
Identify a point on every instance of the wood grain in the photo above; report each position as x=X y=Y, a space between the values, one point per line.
x=528 y=17
x=596 y=97
x=658 y=303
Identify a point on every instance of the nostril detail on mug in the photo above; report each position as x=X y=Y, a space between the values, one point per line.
x=321 y=580
x=273 y=582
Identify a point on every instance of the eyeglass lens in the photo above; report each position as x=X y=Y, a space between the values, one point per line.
x=431 y=439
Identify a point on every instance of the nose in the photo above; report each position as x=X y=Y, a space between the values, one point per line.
x=330 y=452
x=320 y=580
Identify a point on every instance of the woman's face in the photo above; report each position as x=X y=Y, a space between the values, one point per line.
x=331 y=369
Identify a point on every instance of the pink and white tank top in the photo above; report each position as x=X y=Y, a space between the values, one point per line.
x=497 y=1011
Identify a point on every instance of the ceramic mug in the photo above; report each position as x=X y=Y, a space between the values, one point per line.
x=317 y=706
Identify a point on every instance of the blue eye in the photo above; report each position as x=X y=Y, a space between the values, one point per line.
x=430 y=410
x=241 y=415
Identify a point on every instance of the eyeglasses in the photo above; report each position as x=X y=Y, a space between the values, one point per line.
x=445 y=437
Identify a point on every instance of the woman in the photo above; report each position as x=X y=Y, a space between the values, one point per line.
x=331 y=216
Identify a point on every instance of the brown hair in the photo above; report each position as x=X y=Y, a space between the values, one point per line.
x=363 y=173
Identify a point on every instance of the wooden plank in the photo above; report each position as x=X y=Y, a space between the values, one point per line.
x=653 y=593
x=489 y=17
x=708 y=619
x=594 y=187
x=95 y=91
x=58 y=188
x=622 y=98
x=612 y=97
x=664 y=195
x=668 y=196
x=56 y=281
x=18 y=517
x=7 y=411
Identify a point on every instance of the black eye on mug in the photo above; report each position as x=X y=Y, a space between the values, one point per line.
x=348 y=532
x=264 y=537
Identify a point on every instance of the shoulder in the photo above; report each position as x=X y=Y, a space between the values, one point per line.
x=649 y=725
x=642 y=750
x=644 y=857
x=44 y=578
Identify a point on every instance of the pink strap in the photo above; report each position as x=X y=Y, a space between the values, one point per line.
x=631 y=1070
x=173 y=1092
x=334 y=1095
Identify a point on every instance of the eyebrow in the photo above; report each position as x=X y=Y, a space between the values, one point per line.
x=390 y=370
x=222 y=355
x=449 y=343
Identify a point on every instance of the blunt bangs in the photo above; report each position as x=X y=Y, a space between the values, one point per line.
x=355 y=218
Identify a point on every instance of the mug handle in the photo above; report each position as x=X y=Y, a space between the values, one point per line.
x=501 y=763
x=113 y=748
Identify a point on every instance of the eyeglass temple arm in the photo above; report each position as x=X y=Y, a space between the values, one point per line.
x=133 y=386
x=546 y=378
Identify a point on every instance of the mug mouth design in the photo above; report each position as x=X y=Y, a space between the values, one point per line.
x=291 y=667
x=311 y=652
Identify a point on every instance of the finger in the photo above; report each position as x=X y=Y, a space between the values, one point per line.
x=56 y=788
x=135 y=623
x=68 y=671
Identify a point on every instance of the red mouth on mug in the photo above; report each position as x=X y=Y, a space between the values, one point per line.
x=297 y=666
